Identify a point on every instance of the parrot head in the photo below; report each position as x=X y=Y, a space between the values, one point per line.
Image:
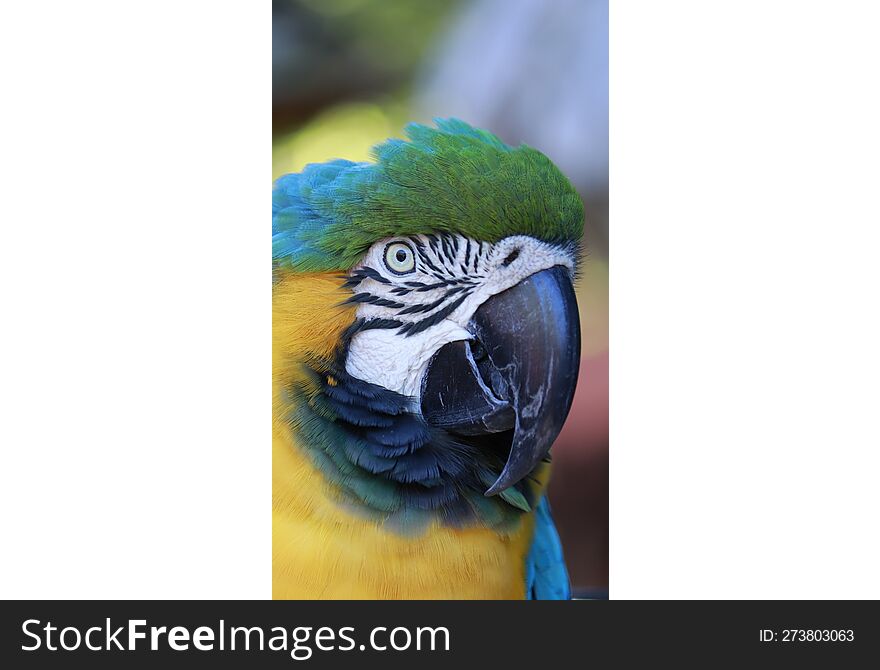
x=455 y=254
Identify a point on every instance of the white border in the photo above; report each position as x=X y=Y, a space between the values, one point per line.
x=135 y=356
x=745 y=329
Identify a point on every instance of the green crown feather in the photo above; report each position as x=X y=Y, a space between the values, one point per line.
x=453 y=178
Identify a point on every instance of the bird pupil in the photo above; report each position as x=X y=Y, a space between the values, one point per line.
x=401 y=255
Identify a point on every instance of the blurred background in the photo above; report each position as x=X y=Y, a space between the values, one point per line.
x=348 y=74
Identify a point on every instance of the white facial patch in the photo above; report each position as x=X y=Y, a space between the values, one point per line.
x=396 y=362
x=409 y=315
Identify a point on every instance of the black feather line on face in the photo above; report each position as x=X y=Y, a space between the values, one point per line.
x=359 y=275
x=432 y=287
x=416 y=327
x=427 y=261
x=453 y=291
x=384 y=302
x=380 y=324
x=370 y=299
x=421 y=288
x=447 y=247
x=374 y=275
x=427 y=307
x=360 y=325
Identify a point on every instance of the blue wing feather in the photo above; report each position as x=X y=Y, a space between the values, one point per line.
x=546 y=576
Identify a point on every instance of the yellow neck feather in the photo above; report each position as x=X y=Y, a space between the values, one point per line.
x=323 y=549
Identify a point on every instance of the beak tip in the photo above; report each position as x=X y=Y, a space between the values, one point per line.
x=505 y=480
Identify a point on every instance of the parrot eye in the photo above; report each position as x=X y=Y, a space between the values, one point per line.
x=399 y=258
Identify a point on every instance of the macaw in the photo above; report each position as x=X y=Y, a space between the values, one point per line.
x=425 y=355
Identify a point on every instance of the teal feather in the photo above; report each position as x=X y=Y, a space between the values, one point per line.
x=546 y=576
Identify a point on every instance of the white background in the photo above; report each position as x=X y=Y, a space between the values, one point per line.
x=135 y=161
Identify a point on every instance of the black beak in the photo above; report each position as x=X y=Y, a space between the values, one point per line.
x=518 y=373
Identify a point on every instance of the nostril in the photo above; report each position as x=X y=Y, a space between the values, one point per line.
x=512 y=256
